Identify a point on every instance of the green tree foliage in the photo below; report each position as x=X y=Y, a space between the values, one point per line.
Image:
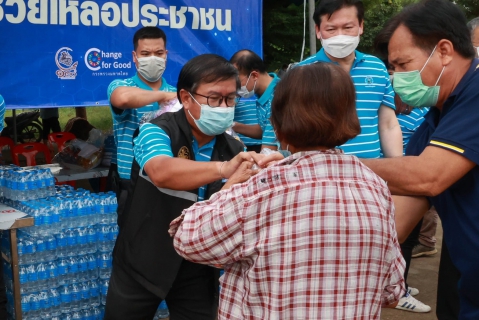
x=471 y=7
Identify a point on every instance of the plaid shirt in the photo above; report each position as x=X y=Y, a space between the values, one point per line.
x=312 y=237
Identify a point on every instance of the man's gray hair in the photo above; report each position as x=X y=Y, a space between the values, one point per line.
x=473 y=24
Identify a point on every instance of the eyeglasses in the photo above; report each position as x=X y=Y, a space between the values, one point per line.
x=215 y=100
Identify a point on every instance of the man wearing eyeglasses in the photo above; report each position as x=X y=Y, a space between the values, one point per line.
x=255 y=80
x=180 y=158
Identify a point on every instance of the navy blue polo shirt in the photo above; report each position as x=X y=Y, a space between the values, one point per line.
x=456 y=128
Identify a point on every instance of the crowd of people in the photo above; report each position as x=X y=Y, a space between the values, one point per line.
x=370 y=155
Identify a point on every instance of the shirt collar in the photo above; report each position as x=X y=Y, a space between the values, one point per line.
x=465 y=79
x=268 y=93
x=322 y=56
x=141 y=84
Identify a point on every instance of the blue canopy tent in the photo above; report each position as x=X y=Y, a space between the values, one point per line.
x=61 y=53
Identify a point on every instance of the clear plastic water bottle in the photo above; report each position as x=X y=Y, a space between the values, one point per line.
x=55 y=302
x=92 y=267
x=25 y=301
x=104 y=290
x=83 y=274
x=85 y=295
x=29 y=250
x=86 y=314
x=76 y=315
x=43 y=276
x=20 y=250
x=35 y=307
x=105 y=265
x=71 y=242
x=41 y=248
x=51 y=252
x=52 y=274
x=22 y=272
x=72 y=269
x=103 y=238
x=76 y=296
x=66 y=299
x=45 y=304
x=62 y=244
x=91 y=239
x=162 y=311
x=96 y=313
x=94 y=293
x=114 y=230
x=32 y=278
x=63 y=271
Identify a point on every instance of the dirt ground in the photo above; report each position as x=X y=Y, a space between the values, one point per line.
x=423 y=276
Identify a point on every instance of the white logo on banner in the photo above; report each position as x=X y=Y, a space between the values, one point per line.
x=67 y=68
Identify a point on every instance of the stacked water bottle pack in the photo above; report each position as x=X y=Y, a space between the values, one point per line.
x=65 y=258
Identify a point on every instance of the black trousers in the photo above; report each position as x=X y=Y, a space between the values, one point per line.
x=447 y=307
x=50 y=124
x=407 y=246
x=193 y=295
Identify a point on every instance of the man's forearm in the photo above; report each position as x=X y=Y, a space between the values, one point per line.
x=133 y=98
x=253 y=131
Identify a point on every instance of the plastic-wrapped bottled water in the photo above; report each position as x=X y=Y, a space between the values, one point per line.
x=23 y=275
x=91 y=239
x=76 y=315
x=29 y=249
x=114 y=230
x=92 y=267
x=45 y=304
x=103 y=238
x=94 y=293
x=71 y=242
x=25 y=301
x=32 y=278
x=85 y=295
x=41 y=248
x=105 y=265
x=66 y=299
x=43 y=276
x=162 y=311
x=96 y=313
x=62 y=244
x=82 y=240
x=51 y=244
x=76 y=296
x=55 y=302
x=104 y=290
x=82 y=274
x=72 y=268
x=35 y=306
x=52 y=274
x=63 y=271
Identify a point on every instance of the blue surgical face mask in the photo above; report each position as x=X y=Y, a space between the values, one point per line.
x=213 y=121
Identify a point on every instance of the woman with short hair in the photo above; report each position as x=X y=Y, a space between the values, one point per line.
x=312 y=236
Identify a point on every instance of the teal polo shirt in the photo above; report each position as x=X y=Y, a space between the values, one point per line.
x=245 y=113
x=263 y=107
x=373 y=88
x=2 y=112
x=153 y=141
x=125 y=123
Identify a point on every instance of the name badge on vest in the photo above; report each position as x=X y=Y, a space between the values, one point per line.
x=184 y=153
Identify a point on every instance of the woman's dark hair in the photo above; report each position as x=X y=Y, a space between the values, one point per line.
x=205 y=68
x=315 y=105
x=430 y=21
x=331 y=6
x=148 y=33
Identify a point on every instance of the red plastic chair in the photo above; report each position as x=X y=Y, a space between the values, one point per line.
x=60 y=139
x=29 y=151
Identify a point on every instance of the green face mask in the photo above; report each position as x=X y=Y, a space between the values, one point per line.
x=411 y=89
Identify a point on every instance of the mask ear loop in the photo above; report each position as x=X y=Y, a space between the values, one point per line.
x=430 y=56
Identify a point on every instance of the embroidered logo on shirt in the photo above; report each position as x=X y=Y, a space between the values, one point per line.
x=369 y=80
x=184 y=153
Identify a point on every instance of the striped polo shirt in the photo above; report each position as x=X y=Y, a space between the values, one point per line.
x=2 y=112
x=153 y=142
x=410 y=122
x=373 y=89
x=125 y=124
x=263 y=105
x=245 y=113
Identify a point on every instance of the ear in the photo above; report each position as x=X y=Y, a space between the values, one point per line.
x=318 y=33
x=185 y=99
x=445 y=49
x=134 y=57
x=254 y=75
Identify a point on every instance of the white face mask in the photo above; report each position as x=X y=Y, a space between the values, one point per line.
x=477 y=52
x=151 y=68
x=340 y=46
x=243 y=91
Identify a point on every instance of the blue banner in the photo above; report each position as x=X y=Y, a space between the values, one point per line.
x=66 y=52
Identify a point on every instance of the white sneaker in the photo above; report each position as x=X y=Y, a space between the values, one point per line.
x=412 y=291
x=409 y=303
